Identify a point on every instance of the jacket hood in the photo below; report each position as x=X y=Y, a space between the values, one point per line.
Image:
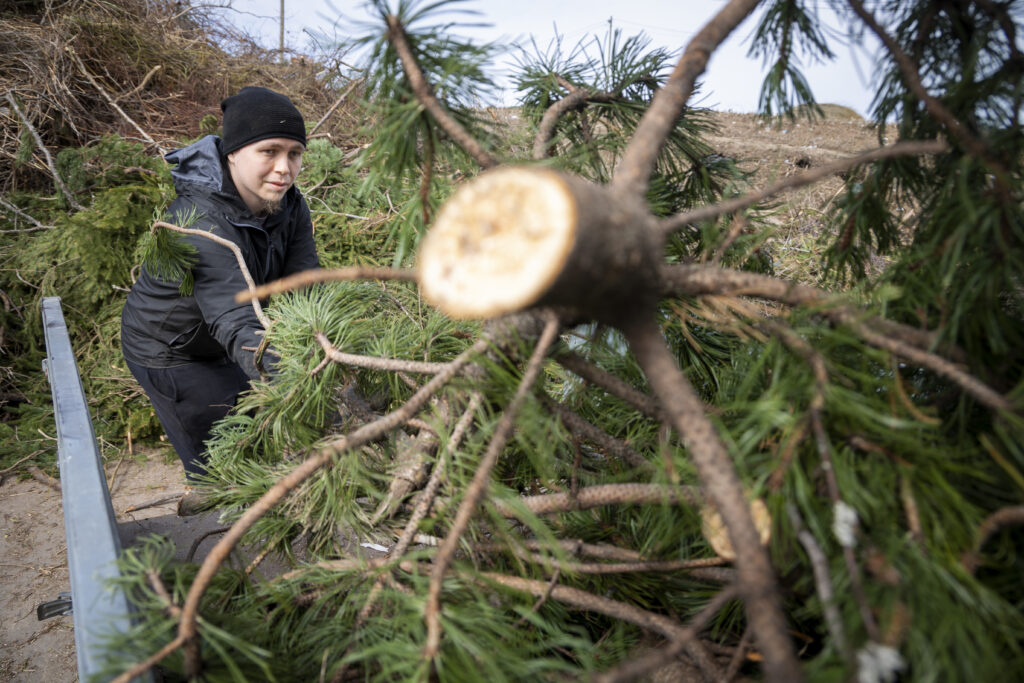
x=199 y=172
x=197 y=166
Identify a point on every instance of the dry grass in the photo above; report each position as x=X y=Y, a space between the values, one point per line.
x=770 y=152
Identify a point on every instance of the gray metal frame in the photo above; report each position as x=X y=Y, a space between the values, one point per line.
x=89 y=522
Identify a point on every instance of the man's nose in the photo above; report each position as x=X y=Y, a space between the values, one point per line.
x=281 y=164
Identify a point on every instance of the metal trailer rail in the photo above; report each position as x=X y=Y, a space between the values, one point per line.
x=89 y=524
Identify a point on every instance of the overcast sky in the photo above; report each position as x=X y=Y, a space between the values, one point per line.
x=732 y=81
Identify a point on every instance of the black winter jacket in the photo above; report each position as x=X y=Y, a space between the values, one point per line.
x=160 y=328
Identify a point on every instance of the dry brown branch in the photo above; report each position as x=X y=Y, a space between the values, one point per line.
x=478 y=486
x=141 y=85
x=634 y=170
x=111 y=102
x=599 y=495
x=703 y=213
x=44 y=478
x=723 y=487
x=337 y=103
x=625 y=567
x=288 y=483
x=425 y=94
x=1003 y=517
x=700 y=280
x=18 y=212
x=46 y=153
x=376 y=363
x=264 y=320
x=315 y=275
x=913 y=80
x=571 y=546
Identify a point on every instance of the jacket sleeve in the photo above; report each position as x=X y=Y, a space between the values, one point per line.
x=301 y=254
x=217 y=279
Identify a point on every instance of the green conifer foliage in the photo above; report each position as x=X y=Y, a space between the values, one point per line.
x=546 y=482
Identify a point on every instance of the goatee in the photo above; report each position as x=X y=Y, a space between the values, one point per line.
x=268 y=206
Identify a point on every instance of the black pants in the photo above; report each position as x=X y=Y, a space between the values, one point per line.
x=188 y=399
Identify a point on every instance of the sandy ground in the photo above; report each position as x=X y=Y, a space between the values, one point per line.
x=33 y=563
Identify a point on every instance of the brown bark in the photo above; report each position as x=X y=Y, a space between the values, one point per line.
x=425 y=94
x=725 y=490
x=633 y=172
x=521 y=237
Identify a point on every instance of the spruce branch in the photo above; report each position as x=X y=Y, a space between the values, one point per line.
x=425 y=94
x=264 y=320
x=46 y=153
x=722 y=485
x=374 y=362
x=728 y=206
x=637 y=163
x=477 y=487
x=18 y=212
x=288 y=483
x=157 y=584
x=315 y=275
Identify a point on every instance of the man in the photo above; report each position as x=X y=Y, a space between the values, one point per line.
x=194 y=354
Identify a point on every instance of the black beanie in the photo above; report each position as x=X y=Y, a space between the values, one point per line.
x=256 y=114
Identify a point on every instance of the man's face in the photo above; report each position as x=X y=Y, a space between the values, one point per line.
x=263 y=172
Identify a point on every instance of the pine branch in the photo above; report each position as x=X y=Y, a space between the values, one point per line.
x=577 y=97
x=425 y=94
x=578 y=365
x=679 y=635
x=600 y=495
x=1006 y=516
x=704 y=213
x=584 y=429
x=723 y=487
x=639 y=668
x=309 y=277
x=288 y=483
x=264 y=320
x=376 y=363
x=822 y=582
x=634 y=170
x=477 y=487
x=913 y=80
x=46 y=153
